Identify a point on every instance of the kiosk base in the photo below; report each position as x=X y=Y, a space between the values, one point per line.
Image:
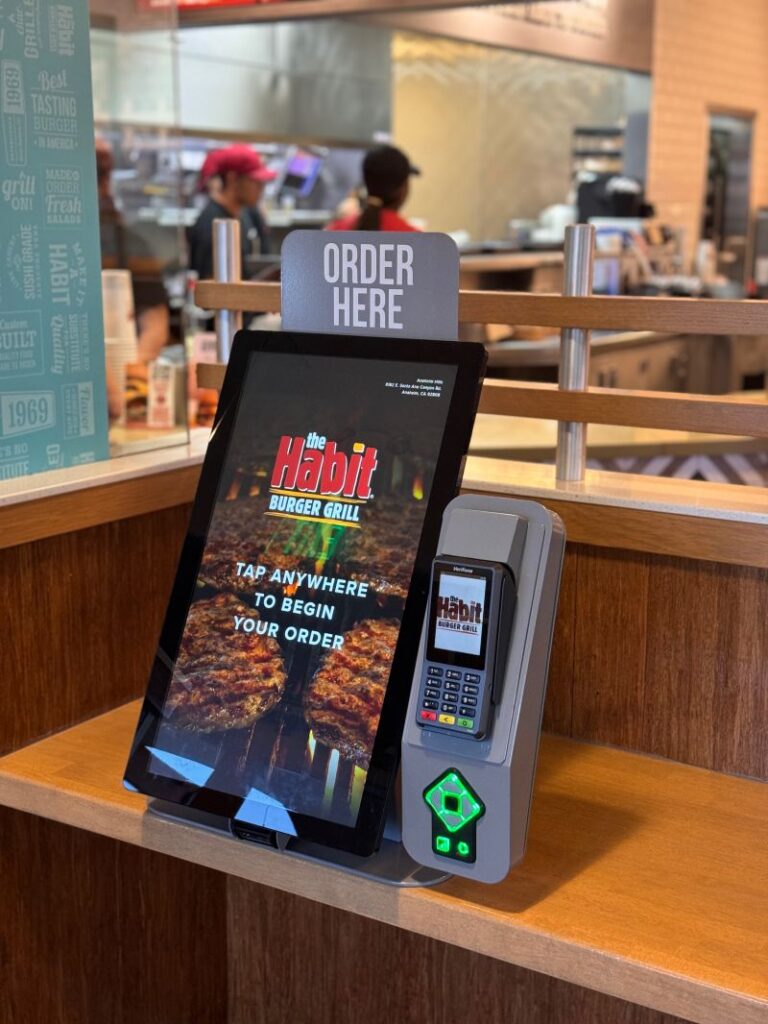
x=390 y=865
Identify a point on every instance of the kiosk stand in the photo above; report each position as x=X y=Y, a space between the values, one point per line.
x=473 y=723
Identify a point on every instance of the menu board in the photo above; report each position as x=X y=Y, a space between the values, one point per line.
x=52 y=381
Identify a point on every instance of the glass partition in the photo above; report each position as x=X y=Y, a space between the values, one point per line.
x=144 y=281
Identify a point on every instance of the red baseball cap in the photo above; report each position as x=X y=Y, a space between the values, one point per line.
x=210 y=167
x=240 y=160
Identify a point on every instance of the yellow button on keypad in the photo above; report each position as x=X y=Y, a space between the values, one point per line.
x=447 y=719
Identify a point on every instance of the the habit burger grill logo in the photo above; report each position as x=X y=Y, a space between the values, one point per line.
x=313 y=480
x=453 y=609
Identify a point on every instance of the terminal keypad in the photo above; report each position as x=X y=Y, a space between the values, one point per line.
x=451 y=699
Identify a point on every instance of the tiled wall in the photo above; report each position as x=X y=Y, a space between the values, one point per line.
x=708 y=55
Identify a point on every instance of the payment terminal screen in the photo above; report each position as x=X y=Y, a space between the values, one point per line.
x=285 y=657
x=459 y=614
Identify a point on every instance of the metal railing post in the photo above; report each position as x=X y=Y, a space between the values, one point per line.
x=227 y=269
x=571 y=459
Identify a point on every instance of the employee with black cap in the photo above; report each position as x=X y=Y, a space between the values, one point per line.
x=243 y=176
x=387 y=173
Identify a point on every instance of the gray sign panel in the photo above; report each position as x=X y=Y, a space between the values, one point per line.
x=389 y=284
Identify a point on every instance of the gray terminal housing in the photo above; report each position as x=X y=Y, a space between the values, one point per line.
x=499 y=768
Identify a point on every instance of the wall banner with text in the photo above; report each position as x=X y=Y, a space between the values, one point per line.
x=52 y=382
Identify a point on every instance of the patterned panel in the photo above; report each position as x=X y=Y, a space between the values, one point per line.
x=492 y=128
x=588 y=17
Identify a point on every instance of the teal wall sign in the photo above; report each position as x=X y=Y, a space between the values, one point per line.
x=53 y=409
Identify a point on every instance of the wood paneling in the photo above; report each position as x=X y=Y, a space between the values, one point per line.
x=675 y=316
x=708 y=660
x=710 y=414
x=640 y=642
x=609 y=676
x=558 y=708
x=625 y=43
x=663 y=655
x=644 y=879
x=290 y=11
x=340 y=969
x=668 y=533
x=82 y=616
x=93 y=931
x=91 y=506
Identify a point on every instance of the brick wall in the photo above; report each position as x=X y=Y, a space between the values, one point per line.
x=709 y=55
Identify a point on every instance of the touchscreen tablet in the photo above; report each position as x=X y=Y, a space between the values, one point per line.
x=279 y=690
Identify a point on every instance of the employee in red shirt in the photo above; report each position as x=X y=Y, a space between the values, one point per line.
x=387 y=175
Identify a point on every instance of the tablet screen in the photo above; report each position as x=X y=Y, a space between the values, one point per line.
x=287 y=650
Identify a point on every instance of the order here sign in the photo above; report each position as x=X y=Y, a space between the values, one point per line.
x=388 y=284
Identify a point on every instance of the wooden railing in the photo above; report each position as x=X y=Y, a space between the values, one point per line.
x=682 y=316
x=695 y=413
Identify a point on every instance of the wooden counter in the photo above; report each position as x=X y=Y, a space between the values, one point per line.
x=644 y=879
x=518 y=438
x=66 y=500
x=704 y=520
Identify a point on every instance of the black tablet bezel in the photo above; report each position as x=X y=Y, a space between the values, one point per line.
x=469 y=360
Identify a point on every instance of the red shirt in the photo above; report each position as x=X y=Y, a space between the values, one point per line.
x=390 y=221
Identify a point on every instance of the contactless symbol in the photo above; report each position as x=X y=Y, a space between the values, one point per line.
x=456 y=809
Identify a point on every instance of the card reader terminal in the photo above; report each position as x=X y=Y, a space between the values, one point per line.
x=467 y=792
x=471 y=607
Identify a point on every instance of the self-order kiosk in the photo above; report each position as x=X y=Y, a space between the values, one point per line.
x=337 y=611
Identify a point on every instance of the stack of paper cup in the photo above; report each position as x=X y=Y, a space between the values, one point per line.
x=117 y=296
x=120 y=340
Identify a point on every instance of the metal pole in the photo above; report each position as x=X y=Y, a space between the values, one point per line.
x=571 y=460
x=227 y=268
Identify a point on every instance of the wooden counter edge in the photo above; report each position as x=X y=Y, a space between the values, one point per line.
x=85 y=507
x=427 y=912
x=660 y=533
x=604 y=524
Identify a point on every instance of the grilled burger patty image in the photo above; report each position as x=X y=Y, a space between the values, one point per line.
x=383 y=552
x=241 y=532
x=224 y=678
x=343 y=702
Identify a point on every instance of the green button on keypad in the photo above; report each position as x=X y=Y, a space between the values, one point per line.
x=467 y=723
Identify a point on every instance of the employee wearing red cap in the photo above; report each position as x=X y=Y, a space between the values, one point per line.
x=387 y=174
x=243 y=176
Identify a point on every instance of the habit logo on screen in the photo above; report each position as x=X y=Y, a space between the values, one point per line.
x=313 y=480
x=455 y=609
